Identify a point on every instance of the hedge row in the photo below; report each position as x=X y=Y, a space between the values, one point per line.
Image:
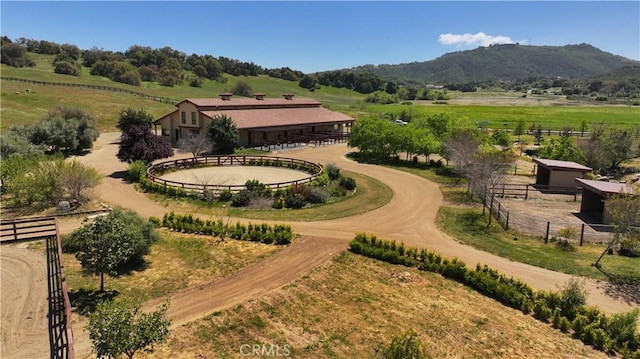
x=615 y=334
x=278 y=234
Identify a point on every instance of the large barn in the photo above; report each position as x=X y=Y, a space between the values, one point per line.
x=261 y=121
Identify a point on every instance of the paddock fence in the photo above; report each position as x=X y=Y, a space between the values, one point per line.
x=59 y=306
x=93 y=87
x=156 y=170
x=522 y=222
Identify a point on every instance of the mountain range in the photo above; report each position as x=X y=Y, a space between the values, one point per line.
x=509 y=62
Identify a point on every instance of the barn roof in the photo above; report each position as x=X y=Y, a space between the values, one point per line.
x=264 y=118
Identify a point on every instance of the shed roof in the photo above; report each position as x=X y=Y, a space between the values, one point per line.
x=605 y=188
x=263 y=118
x=562 y=165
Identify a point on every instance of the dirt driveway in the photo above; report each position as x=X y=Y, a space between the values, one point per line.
x=409 y=217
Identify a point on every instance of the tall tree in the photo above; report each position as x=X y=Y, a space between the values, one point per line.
x=120 y=327
x=224 y=134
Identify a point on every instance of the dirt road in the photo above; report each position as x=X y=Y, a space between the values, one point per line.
x=409 y=218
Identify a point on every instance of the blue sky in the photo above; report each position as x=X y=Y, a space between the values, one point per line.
x=328 y=35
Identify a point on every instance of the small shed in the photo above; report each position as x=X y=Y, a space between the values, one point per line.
x=555 y=173
x=595 y=195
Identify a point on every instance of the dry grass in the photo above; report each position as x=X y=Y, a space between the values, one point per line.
x=176 y=262
x=352 y=305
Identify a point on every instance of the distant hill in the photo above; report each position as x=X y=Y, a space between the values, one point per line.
x=510 y=62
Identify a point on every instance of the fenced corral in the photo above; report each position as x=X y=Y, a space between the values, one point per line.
x=153 y=172
x=547 y=228
x=94 y=87
x=59 y=311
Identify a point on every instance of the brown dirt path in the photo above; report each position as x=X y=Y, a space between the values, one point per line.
x=409 y=217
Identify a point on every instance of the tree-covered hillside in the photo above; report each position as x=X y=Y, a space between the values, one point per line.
x=509 y=63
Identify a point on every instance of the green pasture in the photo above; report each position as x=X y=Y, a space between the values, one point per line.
x=20 y=106
x=549 y=117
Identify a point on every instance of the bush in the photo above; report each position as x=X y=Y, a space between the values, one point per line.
x=294 y=200
x=317 y=195
x=348 y=183
x=629 y=248
x=564 y=245
x=137 y=171
x=332 y=171
x=573 y=297
x=225 y=195
x=155 y=221
x=241 y=199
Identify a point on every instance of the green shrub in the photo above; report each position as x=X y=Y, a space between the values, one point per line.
x=564 y=324
x=137 y=171
x=573 y=297
x=578 y=325
x=225 y=195
x=155 y=221
x=565 y=245
x=348 y=183
x=629 y=248
x=278 y=202
x=317 y=195
x=568 y=232
x=294 y=201
x=541 y=311
x=241 y=199
x=332 y=171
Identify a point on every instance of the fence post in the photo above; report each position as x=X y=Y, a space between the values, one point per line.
x=491 y=209
x=515 y=169
x=506 y=227
x=546 y=236
x=582 y=235
x=526 y=193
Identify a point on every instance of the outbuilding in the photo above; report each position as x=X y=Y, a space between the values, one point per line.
x=559 y=174
x=595 y=195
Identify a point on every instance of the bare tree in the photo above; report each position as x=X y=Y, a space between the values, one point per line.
x=195 y=143
x=488 y=168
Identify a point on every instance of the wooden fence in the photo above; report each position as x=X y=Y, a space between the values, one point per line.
x=519 y=190
x=94 y=87
x=157 y=169
x=59 y=314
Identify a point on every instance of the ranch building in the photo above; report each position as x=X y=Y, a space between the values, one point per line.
x=261 y=121
x=559 y=174
x=595 y=195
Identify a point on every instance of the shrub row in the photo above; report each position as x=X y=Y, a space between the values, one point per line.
x=278 y=234
x=617 y=334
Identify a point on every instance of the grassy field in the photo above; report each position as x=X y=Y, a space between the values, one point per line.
x=19 y=106
x=176 y=262
x=549 y=117
x=353 y=306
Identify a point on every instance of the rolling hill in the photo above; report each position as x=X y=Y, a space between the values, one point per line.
x=509 y=63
